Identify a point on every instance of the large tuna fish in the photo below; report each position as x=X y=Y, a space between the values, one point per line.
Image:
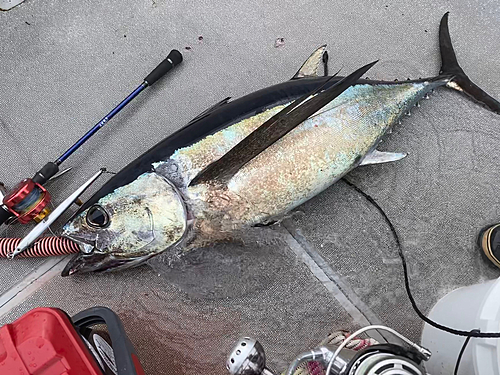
x=250 y=161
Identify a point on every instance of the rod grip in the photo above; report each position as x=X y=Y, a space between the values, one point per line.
x=44 y=174
x=173 y=59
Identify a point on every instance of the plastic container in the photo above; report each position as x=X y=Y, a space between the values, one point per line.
x=44 y=342
x=467 y=308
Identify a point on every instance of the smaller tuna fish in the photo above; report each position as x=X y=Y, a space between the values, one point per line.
x=250 y=161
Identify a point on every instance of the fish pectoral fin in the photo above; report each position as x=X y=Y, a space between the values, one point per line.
x=379 y=157
x=275 y=128
x=311 y=65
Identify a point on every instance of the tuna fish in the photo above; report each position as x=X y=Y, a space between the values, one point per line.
x=248 y=162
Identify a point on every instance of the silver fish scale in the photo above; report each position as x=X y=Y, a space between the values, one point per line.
x=297 y=167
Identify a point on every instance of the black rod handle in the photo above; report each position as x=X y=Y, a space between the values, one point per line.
x=173 y=59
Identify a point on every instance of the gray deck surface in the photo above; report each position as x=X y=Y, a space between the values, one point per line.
x=64 y=64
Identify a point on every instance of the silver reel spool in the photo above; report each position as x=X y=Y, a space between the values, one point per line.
x=385 y=364
x=247 y=358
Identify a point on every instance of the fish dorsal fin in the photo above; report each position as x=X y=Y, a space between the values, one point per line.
x=379 y=157
x=273 y=129
x=209 y=110
x=311 y=65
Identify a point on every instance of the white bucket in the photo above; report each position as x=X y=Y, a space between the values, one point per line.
x=471 y=307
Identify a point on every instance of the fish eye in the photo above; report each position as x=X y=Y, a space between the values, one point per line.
x=97 y=217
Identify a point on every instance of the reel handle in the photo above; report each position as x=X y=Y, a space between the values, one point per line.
x=173 y=59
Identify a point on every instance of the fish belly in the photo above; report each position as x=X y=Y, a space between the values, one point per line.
x=305 y=162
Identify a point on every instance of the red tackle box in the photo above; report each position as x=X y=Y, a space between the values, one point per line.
x=45 y=341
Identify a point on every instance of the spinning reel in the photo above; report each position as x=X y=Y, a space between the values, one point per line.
x=248 y=358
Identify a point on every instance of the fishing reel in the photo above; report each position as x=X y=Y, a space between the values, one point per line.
x=28 y=200
x=248 y=358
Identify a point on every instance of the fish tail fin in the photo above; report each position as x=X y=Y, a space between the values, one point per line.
x=457 y=79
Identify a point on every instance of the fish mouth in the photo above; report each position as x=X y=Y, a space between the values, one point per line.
x=83 y=263
x=90 y=259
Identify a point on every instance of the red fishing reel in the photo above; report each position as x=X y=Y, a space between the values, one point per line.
x=27 y=201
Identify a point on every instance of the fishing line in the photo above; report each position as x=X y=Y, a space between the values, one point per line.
x=459 y=359
x=53 y=207
x=407 y=279
x=464 y=346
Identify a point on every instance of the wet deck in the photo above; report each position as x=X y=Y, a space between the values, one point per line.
x=63 y=64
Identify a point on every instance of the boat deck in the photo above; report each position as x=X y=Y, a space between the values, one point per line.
x=332 y=265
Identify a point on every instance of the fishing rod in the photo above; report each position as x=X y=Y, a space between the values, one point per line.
x=29 y=199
